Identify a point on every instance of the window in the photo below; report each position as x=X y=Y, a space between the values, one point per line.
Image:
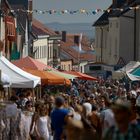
x=62 y=67
x=94 y=68
x=37 y=53
x=110 y=46
x=116 y=46
x=97 y=42
x=105 y=41
x=45 y=51
x=34 y=51
x=55 y=53
x=48 y=52
x=42 y=51
x=81 y=69
x=69 y=67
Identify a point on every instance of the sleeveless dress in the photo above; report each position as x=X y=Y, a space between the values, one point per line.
x=42 y=127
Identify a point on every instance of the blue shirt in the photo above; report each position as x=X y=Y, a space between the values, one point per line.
x=57 y=119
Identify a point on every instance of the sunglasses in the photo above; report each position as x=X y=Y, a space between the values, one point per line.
x=29 y=106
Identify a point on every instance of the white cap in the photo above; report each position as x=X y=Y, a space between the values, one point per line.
x=133 y=93
x=88 y=107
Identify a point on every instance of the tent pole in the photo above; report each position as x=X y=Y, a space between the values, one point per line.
x=9 y=92
x=33 y=91
x=37 y=93
x=40 y=92
x=65 y=86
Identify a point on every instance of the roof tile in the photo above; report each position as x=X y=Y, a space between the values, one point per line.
x=40 y=29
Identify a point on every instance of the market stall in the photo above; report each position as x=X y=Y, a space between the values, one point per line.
x=19 y=78
x=48 y=78
x=30 y=63
x=81 y=75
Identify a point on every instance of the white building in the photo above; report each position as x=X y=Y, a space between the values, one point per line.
x=117 y=34
x=40 y=49
x=46 y=47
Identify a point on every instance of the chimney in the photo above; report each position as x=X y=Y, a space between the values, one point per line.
x=119 y=3
x=76 y=39
x=114 y=3
x=57 y=32
x=64 y=36
x=30 y=8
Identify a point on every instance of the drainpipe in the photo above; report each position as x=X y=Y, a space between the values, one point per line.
x=135 y=39
x=101 y=44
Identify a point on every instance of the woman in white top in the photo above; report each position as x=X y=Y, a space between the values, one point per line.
x=43 y=123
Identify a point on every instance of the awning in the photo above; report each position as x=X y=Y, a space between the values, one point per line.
x=132 y=77
x=129 y=67
x=18 y=77
x=136 y=71
x=81 y=75
x=48 y=78
x=62 y=74
x=30 y=63
x=5 y=79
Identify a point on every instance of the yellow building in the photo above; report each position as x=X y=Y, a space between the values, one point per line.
x=66 y=65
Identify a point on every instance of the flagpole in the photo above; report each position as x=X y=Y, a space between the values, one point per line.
x=80 y=48
x=78 y=61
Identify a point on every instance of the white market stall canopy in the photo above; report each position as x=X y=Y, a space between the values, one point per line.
x=5 y=79
x=126 y=69
x=132 y=77
x=19 y=78
x=129 y=67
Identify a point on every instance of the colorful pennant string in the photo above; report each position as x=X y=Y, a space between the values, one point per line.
x=71 y=12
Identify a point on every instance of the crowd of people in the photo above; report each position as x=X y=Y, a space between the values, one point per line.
x=101 y=110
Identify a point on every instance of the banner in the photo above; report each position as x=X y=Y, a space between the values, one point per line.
x=10 y=29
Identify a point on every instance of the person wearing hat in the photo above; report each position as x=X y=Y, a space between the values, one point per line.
x=59 y=117
x=106 y=114
x=123 y=130
x=138 y=111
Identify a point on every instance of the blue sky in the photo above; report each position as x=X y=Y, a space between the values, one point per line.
x=89 y=5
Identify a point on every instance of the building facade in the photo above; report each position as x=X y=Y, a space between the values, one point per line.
x=46 y=46
x=66 y=65
x=117 y=34
x=40 y=49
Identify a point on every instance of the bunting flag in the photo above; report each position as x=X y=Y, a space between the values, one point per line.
x=72 y=12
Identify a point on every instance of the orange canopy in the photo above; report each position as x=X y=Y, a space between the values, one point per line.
x=30 y=63
x=49 y=78
x=81 y=75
